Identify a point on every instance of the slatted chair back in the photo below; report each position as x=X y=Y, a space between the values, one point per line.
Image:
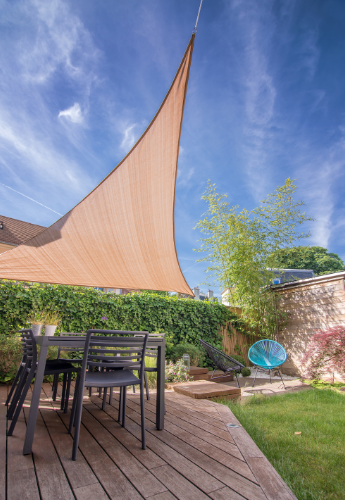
x=22 y=365
x=220 y=359
x=107 y=349
x=29 y=349
x=152 y=352
x=72 y=350
x=267 y=354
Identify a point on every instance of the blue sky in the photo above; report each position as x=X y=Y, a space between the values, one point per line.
x=80 y=80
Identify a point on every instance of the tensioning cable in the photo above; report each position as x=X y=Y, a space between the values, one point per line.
x=197 y=19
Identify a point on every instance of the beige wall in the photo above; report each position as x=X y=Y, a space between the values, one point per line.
x=4 y=247
x=318 y=305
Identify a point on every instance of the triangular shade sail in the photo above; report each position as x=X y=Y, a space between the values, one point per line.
x=122 y=234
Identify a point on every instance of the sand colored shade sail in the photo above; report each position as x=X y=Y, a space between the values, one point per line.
x=122 y=234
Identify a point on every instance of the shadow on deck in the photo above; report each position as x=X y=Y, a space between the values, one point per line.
x=196 y=457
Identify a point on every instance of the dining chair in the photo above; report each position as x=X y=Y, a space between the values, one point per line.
x=28 y=374
x=151 y=352
x=19 y=372
x=117 y=354
x=72 y=351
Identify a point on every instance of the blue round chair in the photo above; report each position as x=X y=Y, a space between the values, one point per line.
x=267 y=355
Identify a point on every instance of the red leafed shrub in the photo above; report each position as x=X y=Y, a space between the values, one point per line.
x=326 y=353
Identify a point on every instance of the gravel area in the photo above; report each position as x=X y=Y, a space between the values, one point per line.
x=265 y=375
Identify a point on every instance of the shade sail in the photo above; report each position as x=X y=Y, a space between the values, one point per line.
x=122 y=234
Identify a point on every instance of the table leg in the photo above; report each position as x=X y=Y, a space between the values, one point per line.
x=30 y=430
x=160 y=387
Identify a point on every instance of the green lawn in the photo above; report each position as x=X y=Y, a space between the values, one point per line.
x=313 y=463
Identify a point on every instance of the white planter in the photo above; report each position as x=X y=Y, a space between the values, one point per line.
x=37 y=330
x=49 y=330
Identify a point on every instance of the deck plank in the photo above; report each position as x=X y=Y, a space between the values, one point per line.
x=137 y=474
x=181 y=487
x=78 y=472
x=149 y=459
x=52 y=481
x=115 y=483
x=192 y=431
x=190 y=471
x=196 y=456
x=91 y=492
x=225 y=458
x=226 y=494
x=211 y=427
x=21 y=471
x=228 y=477
x=201 y=412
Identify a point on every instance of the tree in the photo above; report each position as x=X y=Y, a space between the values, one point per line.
x=326 y=353
x=240 y=244
x=304 y=257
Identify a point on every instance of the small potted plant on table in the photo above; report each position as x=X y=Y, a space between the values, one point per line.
x=51 y=322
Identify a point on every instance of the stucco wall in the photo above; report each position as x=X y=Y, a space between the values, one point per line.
x=316 y=305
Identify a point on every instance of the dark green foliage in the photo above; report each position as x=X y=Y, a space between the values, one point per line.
x=11 y=354
x=316 y=258
x=195 y=353
x=239 y=358
x=185 y=320
x=246 y=372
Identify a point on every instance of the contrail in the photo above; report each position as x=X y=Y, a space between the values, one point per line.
x=8 y=187
x=191 y=267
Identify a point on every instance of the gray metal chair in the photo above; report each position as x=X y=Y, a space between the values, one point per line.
x=28 y=373
x=118 y=354
x=77 y=351
x=151 y=352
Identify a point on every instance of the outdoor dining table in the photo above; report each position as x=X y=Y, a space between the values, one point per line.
x=73 y=341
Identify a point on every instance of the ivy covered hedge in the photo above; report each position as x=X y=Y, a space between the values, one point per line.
x=80 y=308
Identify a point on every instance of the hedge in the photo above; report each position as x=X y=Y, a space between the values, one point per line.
x=186 y=320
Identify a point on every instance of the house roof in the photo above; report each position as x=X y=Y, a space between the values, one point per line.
x=288 y=275
x=16 y=231
x=312 y=281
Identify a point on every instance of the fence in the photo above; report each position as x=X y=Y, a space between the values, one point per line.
x=235 y=342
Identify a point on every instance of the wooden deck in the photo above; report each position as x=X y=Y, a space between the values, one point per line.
x=196 y=457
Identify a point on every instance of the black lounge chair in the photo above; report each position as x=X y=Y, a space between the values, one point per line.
x=222 y=361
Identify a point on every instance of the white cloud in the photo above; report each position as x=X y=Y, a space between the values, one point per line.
x=57 y=40
x=50 y=46
x=184 y=176
x=130 y=134
x=73 y=114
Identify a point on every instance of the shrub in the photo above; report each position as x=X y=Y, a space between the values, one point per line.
x=246 y=372
x=81 y=308
x=325 y=353
x=177 y=372
x=239 y=358
x=10 y=356
x=195 y=353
